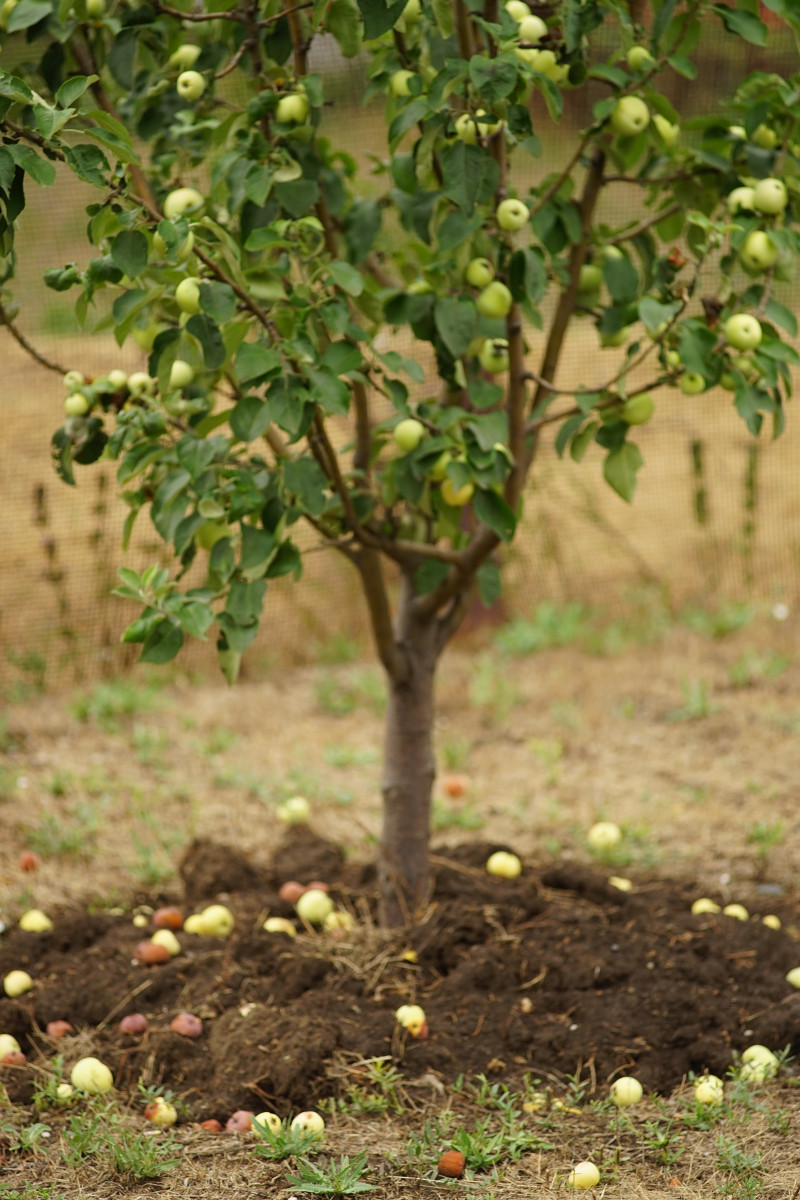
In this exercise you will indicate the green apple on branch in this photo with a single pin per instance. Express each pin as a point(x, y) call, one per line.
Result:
point(336, 338)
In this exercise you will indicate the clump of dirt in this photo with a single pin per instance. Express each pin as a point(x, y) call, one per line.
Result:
point(544, 975)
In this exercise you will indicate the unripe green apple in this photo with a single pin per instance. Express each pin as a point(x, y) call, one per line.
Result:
point(604, 835)
point(466, 128)
point(518, 10)
point(737, 131)
point(639, 59)
point(408, 434)
point(504, 864)
point(399, 83)
point(314, 906)
point(637, 410)
point(294, 811)
point(743, 331)
point(117, 378)
point(672, 358)
point(532, 29)
point(92, 1076)
point(182, 200)
point(746, 367)
point(190, 86)
point(8, 1045)
point(457, 497)
point(583, 1175)
point(269, 1120)
point(630, 116)
point(493, 355)
point(420, 287)
point(184, 58)
point(770, 196)
point(76, 405)
point(187, 294)
point(488, 123)
point(495, 300)
point(618, 338)
point(479, 272)
point(216, 921)
point(140, 382)
point(35, 921)
point(692, 384)
point(764, 137)
point(626, 1091)
point(181, 374)
point(590, 278)
point(668, 132)
point(709, 1089)
point(758, 252)
point(741, 199)
point(292, 109)
point(208, 534)
point(182, 252)
point(512, 214)
point(310, 1124)
point(95, 9)
point(74, 379)
point(758, 1053)
point(438, 471)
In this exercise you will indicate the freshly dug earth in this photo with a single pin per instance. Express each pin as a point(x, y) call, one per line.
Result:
point(548, 975)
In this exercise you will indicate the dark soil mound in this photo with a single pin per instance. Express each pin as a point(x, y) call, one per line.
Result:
point(543, 975)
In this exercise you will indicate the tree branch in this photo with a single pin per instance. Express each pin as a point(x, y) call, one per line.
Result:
point(27, 346)
point(372, 577)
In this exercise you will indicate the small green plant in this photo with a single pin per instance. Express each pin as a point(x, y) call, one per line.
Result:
point(450, 816)
point(455, 752)
point(283, 1143)
point(661, 1142)
point(28, 1139)
point(150, 745)
point(59, 783)
point(339, 697)
point(491, 689)
point(744, 1170)
point(753, 668)
point(727, 619)
point(567, 714)
point(549, 627)
point(342, 1179)
point(108, 704)
point(340, 755)
point(338, 650)
point(137, 1155)
point(765, 835)
point(73, 835)
point(696, 702)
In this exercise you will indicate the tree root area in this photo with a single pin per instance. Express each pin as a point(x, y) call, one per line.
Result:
point(549, 975)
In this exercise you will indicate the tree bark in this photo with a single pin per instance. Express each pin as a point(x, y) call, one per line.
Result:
point(409, 766)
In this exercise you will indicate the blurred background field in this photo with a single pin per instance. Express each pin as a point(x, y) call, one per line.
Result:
point(716, 516)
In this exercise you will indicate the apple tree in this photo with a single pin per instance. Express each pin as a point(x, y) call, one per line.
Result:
point(375, 354)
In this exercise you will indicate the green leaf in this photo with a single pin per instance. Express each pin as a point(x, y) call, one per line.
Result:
point(298, 197)
point(27, 13)
point(428, 577)
point(410, 115)
point(332, 393)
point(258, 547)
point(255, 361)
point(163, 642)
point(217, 300)
point(456, 321)
point(129, 252)
point(379, 17)
point(528, 276)
point(493, 511)
point(622, 279)
point(780, 315)
point(121, 57)
point(663, 18)
point(653, 313)
point(195, 618)
point(303, 477)
point(249, 418)
point(343, 20)
point(112, 134)
point(208, 335)
point(620, 467)
point(457, 227)
point(88, 162)
point(746, 25)
point(72, 88)
point(470, 175)
point(347, 277)
point(493, 78)
point(490, 583)
point(39, 169)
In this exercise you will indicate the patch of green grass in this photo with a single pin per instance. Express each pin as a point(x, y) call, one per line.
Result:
point(446, 816)
point(341, 755)
point(550, 626)
point(765, 835)
point(218, 741)
point(284, 1142)
point(730, 617)
point(567, 714)
point(697, 702)
point(338, 650)
point(73, 835)
point(108, 704)
point(491, 689)
point(337, 1179)
point(753, 668)
point(151, 745)
point(455, 752)
point(102, 1134)
point(339, 697)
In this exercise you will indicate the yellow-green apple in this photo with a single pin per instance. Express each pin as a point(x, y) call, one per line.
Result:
point(770, 196)
point(512, 214)
point(493, 355)
point(495, 300)
point(92, 1076)
point(181, 374)
point(630, 116)
point(479, 273)
point(408, 434)
point(759, 252)
point(292, 109)
point(190, 86)
point(583, 1175)
point(639, 59)
point(504, 864)
point(668, 132)
point(692, 384)
point(743, 331)
point(76, 404)
point(313, 906)
point(182, 200)
point(400, 81)
point(184, 58)
point(637, 410)
point(187, 294)
point(741, 199)
point(532, 29)
point(457, 497)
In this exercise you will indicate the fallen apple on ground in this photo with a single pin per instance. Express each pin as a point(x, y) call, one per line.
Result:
point(294, 811)
point(187, 1025)
point(160, 1112)
point(35, 921)
point(8, 1045)
point(504, 864)
point(308, 1123)
point(92, 1076)
point(239, 1122)
point(412, 1018)
point(280, 925)
point(626, 1091)
point(314, 906)
point(583, 1175)
point(58, 1029)
point(269, 1120)
point(134, 1023)
point(604, 835)
point(17, 983)
point(709, 1089)
point(451, 1164)
point(216, 921)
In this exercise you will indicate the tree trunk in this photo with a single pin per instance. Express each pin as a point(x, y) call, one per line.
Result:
point(409, 767)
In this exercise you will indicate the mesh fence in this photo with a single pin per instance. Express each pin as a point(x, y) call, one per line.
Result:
point(716, 516)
